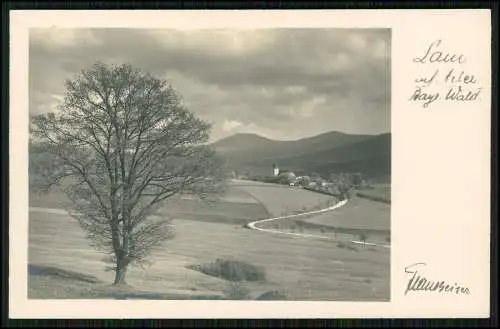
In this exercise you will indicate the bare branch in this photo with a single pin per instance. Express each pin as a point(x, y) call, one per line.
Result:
point(125, 143)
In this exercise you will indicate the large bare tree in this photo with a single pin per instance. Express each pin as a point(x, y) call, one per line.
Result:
point(120, 144)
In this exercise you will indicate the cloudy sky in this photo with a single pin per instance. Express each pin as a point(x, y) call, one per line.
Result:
point(279, 83)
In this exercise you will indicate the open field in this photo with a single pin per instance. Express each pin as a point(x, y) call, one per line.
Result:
point(302, 269)
point(55, 196)
point(244, 201)
point(234, 207)
point(280, 200)
point(358, 216)
point(343, 224)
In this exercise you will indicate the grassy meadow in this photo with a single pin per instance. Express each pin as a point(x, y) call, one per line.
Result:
point(63, 265)
point(280, 200)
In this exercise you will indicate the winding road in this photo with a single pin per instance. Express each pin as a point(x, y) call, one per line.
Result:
point(253, 225)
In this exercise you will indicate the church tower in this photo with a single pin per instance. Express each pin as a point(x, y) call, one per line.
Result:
point(276, 170)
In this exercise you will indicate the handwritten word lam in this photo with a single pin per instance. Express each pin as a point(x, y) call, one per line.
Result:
point(434, 55)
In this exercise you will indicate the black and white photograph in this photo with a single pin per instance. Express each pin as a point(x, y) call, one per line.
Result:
point(250, 164)
point(213, 164)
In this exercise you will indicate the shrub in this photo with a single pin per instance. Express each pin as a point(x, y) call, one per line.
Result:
point(236, 291)
point(232, 270)
point(347, 246)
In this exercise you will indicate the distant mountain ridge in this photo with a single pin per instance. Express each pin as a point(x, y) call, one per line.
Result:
point(324, 153)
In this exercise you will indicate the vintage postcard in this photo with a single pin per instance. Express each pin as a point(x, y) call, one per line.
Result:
point(250, 164)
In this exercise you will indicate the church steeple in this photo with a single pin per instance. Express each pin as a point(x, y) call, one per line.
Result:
point(276, 170)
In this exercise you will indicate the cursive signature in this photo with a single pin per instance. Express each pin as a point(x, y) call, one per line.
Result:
point(417, 282)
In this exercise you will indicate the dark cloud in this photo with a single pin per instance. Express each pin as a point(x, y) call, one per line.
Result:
point(282, 83)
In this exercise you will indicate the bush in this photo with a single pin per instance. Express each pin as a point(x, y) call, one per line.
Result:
point(347, 246)
point(236, 291)
point(232, 270)
point(265, 179)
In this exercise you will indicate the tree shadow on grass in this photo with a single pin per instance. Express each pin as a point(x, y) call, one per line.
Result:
point(98, 289)
point(43, 270)
point(101, 290)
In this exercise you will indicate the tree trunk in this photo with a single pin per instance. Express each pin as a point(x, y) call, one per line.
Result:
point(121, 266)
point(120, 275)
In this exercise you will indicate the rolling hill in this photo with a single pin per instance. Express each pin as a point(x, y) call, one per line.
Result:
point(329, 152)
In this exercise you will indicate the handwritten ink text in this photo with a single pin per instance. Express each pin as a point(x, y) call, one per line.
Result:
point(432, 55)
point(417, 282)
